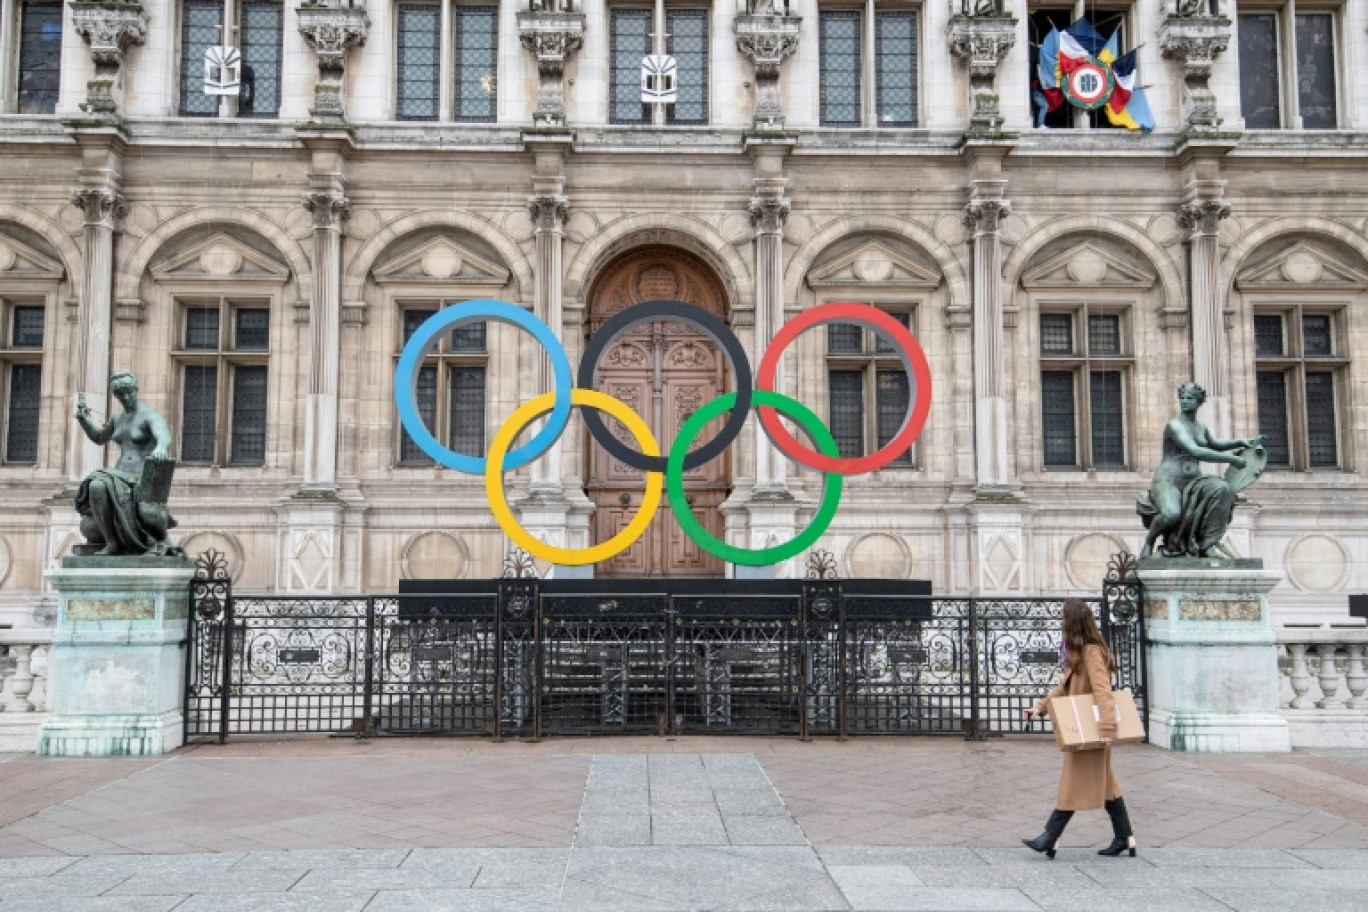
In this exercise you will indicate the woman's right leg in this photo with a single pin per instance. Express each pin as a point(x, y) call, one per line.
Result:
point(1054, 828)
point(1123, 837)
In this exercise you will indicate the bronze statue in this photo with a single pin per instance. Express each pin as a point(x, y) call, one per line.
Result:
point(123, 509)
point(1191, 510)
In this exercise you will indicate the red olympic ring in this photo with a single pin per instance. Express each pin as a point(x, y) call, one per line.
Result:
point(914, 359)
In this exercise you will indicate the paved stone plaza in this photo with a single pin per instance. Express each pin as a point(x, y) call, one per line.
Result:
point(651, 824)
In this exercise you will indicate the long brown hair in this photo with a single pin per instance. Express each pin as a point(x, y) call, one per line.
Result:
point(1080, 630)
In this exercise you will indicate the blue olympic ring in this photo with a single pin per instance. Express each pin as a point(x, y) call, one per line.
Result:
point(406, 394)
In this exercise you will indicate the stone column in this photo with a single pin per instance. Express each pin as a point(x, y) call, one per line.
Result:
point(109, 27)
point(548, 216)
point(1194, 35)
point(768, 210)
point(1200, 215)
point(983, 215)
point(981, 35)
point(766, 38)
point(332, 28)
point(330, 208)
point(552, 36)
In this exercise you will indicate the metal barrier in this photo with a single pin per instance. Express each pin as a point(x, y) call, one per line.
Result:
point(525, 658)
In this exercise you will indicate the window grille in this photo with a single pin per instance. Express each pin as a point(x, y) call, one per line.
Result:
point(1323, 449)
point(21, 432)
point(40, 57)
point(477, 59)
point(839, 63)
point(450, 389)
point(1260, 89)
point(1272, 394)
point(467, 397)
point(253, 330)
point(1316, 70)
point(688, 42)
point(1271, 59)
point(249, 415)
point(847, 411)
point(896, 68)
point(631, 41)
point(1296, 370)
point(263, 23)
point(201, 29)
point(202, 328)
point(892, 399)
point(1104, 334)
point(1057, 406)
point(1108, 425)
point(419, 53)
point(1316, 335)
point(1268, 335)
point(199, 412)
point(1056, 334)
point(28, 327)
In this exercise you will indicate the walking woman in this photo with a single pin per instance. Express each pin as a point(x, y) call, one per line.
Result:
point(1087, 782)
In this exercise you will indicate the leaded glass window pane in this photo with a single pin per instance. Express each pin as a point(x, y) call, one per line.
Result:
point(477, 59)
point(895, 68)
point(1272, 392)
point(1056, 334)
point(1104, 334)
point(884, 346)
point(199, 411)
point(1268, 335)
point(467, 405)
point(844, 338)
point(1320, 419)
point(201, 23)
point(631, 41)
point(40, 57)
point(21, 433)
point(470, 337)
point(263, 23)
point(202, 328)
point(1057, 414)
point(847, 412)
point(893, 399)
point(419, 61)
point(27, 331)
point(249, 415)
point(253, 329)
point(839, 47)
point(1108, 419)
point(1316, 70)
point(688, 42)
point(1316, 335)
point(1260, 93)
point(414, 319)
point(409, 452)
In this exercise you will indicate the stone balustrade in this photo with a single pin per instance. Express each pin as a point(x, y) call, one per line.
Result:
point(1324, 685)
point(23, 686)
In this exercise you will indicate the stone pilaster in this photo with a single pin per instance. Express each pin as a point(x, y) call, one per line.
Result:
point(109, 27)
point(1193, 34)
point(329, 208)
point(332, 28)
point(983, 215)
point(1200, 215)
point(549, 211)
point(981, 35)
point(765, 38)
point(552, 36)
point(768, 212)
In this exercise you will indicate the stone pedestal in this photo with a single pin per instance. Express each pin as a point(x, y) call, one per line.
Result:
point(1212, 656)
point(117, 672)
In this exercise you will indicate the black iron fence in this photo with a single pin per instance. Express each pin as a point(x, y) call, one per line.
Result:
point(525, 658)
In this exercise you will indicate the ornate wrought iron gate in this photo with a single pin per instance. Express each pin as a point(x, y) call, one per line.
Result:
point(521, 657)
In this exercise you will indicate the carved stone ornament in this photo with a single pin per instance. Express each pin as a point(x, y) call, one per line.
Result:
point(982, 39)
point(766, 37)
point(109, 27)
point(100, 206)
point(553, 37)
point(1202, 217)
point(332, 28)
point(1195, 39)
point(548, 211)
point(984, 216)
point(329, 208)
point(768, 213)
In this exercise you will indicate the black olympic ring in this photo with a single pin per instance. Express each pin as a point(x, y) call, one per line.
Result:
point(697, 317)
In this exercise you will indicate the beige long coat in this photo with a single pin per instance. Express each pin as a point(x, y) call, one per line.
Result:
point(1087, 781)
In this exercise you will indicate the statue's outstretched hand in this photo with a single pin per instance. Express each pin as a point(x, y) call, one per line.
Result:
point(82, 410)
point(1253, 442)
point(158, 454)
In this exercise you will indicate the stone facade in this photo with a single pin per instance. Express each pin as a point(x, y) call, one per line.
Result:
point(117, 214)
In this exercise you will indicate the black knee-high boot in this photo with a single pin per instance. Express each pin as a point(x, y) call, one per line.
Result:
point(1122, 834)
point(1054, 828)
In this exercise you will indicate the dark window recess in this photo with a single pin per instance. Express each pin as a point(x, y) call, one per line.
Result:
point(263, 24)
point(1272, 391)
point(477, 64)
point(28, 327)
point(201, 23)
point(1108, 419)
point(40, 57)
point(892, 403)
point(1057, 416)
point(253, 329)
point(1260, 94)
point(1316, 335)
point(467, 405)
point(409, 452)
point(839, 62)
point(631, 41)
point(202, 328)
point(1104, 334)
point(884, 346)
point(414, 319)
point(1316, 70)
point(1268, 335)
point(418, 65)
point(844, 338)
point(25, 394)
point(847, 412)
point(1322, 447)
point(1056, 334)
point(895, 68)
point(249, 415)
point(470, 337)
point(199, 412)
point(688, 42)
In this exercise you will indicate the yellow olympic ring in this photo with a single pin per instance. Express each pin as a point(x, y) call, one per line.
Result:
point(498, 501)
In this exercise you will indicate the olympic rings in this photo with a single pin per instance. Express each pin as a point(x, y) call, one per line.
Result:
point(648, 311)
point(498, 500)
point(406, 382)
point(913, 358)
point(755, 557)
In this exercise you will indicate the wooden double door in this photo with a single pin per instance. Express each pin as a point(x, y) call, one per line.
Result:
point(665, 371)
